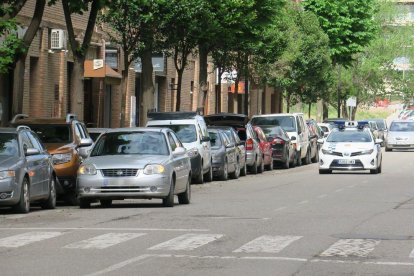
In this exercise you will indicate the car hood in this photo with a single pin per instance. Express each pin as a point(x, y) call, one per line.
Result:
point(347, 147)
point(226, 119)
point(54, 148)
point(125, 161)
point(8, 161)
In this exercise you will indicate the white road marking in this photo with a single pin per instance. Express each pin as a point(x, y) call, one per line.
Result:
point(280, 208)
point(15, 216)
point(323, 196)
point(27, 238)
point(303, 202)
point(268, 244)
point(412, 254)
point(106, 229)
point(104, 241)
point(350, 247)
point(187, 242)
point(120, 265)
point(339, 190)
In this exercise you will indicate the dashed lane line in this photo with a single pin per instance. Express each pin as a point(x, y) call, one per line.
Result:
point(106, 229)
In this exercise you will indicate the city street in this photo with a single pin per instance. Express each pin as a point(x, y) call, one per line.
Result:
point(284, 222)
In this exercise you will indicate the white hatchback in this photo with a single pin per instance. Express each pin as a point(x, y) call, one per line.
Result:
point(350, 149)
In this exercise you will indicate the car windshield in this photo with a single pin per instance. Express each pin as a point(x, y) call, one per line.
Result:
point(214, 139)
point(127, 143)
point(402, 126)
point(357, 136)
point(186, 133)
point(8, 145)
point(53, 133)
point(272, 131)
point(286, 122)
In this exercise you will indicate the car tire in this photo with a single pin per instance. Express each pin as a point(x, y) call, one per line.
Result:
point(200, 177)
point(168, 201)
point(243, 171)
point(316, 158)
point(374, 171)
point(253, 168)
point(307, 159)
point(225, 175)
point(286, 165)
point(208, 177)
point(260, 168)
point(270, 166)
point(24, 203)
point(298, 159)
point(50, 202)
point(380, 168)
point(84, 203)
point(185, 197)
point(105, 203)
point(236, 173)
point(325, 171)
point(292, 163)
point(388, 149)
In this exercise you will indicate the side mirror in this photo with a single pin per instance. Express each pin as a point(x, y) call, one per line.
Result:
point(293, 138)
point(85, 142)
point(179, 151)
point(84, 152)
point(31, 151)
point(378, 141)
point(231, 145)
point(320, 141)
point(205, 139)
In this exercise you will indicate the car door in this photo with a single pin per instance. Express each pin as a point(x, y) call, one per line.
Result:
point(241, 148)
point(45, 168)
point(178, 163)
point(33, 167)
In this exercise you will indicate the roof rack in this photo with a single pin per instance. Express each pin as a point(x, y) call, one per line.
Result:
point(23, 127)
point(70, 117)
point(19, 117)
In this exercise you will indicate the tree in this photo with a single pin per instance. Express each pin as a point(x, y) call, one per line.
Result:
point(350, 27)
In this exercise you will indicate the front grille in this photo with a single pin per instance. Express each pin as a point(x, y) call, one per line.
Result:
point(121, 189)
point(358, 165)
point(119, 172)
point(336, 153)
point(356, 153)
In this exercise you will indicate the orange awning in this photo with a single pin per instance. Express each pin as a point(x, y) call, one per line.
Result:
point(103, 72)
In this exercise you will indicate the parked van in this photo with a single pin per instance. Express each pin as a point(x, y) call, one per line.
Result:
point(191, 129)
point(294, 124)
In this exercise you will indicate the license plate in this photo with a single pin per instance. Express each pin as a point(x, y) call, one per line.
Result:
point(346, 162)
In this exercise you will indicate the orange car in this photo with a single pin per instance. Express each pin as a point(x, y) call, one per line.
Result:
point(62, 137)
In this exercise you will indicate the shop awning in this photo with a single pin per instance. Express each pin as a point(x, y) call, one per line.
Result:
point(102, 72)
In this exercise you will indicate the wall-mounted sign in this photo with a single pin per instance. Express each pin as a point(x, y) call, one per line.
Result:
point(157, 64)
point(98, 64)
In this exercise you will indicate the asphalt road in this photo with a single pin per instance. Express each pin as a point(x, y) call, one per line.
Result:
point(284, 222)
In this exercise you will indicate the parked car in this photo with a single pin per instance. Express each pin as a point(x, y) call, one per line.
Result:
point(315, 133)
point(62, 137)
point(246, 134)
point(326, 128)
point(265, 148)
point(382, 129)
point(191, 129)
point(135, 163)
point(240, 147)
point(224, 152)
point(283, 152)
point(26, 171)
point(372, 125)
point(400, 135)
point(94, 133)
point(294, 125)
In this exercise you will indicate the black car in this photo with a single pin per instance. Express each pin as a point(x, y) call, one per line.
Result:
point(224, 155)
point(283, 152)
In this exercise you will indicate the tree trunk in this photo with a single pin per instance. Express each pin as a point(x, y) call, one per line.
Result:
point(124, 88)
point(18, 85)
point(202, 75)
point(5, 89)
point(338, 91)
point(147, 83)
point(236, 94)
point(246, 86)
point(77, 88)
point(345, 113)
point(325, 110)
point(287, 101)
point(179, 83)
point(309, 110)
point(220, 74)
point(354, 111)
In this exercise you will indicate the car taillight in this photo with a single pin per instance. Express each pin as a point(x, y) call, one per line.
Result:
point(278, 141)
point(249, 144)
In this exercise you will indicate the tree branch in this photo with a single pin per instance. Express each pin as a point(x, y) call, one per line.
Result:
point(69, 27)
point(17, 6)
point(91, 25)
point(35, 23)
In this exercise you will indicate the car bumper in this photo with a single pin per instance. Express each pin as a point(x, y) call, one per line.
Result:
point(399, 146)
point(9, 192)
point(142, 186)
point(250, 158)
point(196, 165)
point(329, 162)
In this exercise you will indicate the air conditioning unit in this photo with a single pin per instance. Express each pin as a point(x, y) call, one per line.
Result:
point(57, 39)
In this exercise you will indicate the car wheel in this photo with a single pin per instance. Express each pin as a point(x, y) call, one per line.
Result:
point(316, 158)
point(185, 197)
point(243, 171)
point(270, 166)
point(388, 149)
point(200, 177)
point(168, 201)
point(208, 177)
point(307, 159)
point(292, 163)
point(298, 159)
point(253, 168)
point(224, 176)
point(50, 202)
point(24, 204)
point(286, 165)
point(260, 168)
point(84, 203)
point(380, 168)
point(236, 173)
point(106, 203)
point(325, 171)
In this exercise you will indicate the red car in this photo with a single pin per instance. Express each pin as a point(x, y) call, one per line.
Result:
point(265, 148)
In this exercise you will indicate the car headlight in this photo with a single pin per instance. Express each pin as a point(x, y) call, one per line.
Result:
point(329, 152)
point(7, 174)
point(154, 169)
point(87, 169)
point(61, 158)
point(192, 152)
point(367, 152)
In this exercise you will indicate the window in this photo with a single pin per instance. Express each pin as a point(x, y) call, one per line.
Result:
point(214, 139)
point(8, 144)
point(52, 133)
point(186, 133)
point(299, 125)
point(172, 142)
point(177, 141)
point(80, 131)
point(35, 142)
point(27, 144)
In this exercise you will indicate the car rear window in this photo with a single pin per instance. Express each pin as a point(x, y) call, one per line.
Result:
point(8, 145)
point(53, 133)
point(94, 135)
point(286, 122)
point(214, 139)
point(130, 143)
point(349, 136)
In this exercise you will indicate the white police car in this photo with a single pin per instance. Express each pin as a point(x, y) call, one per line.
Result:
point(350, 148)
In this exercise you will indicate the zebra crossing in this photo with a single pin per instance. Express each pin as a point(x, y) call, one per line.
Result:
point(266, 244)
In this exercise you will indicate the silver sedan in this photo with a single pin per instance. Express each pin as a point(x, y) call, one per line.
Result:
point(135, 163)
point(400, 135)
